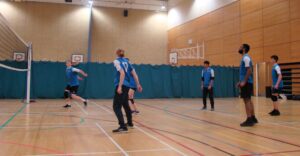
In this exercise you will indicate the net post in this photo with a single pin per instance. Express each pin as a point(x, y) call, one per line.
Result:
point(29, 58)
point(256, 78)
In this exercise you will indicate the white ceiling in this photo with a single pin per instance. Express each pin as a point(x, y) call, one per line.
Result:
point(129, 4)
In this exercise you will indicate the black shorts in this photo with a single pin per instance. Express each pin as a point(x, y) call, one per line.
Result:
point(133, 89)
point(72, 89)
point(247, 91)
point(276, 91)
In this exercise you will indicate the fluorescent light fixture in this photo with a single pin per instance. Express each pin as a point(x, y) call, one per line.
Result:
point(90, 2)
point(163, 7)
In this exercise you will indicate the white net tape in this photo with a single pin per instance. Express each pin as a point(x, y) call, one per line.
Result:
point(12, 68)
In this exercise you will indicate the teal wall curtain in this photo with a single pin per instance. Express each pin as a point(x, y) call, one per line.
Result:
point(159, 81)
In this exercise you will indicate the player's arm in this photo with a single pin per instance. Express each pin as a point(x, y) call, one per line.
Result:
point(202, 80)
point(212, 78)
point(249, 70)
point(279, 77)
point(136, 79)
point(80, 72)
point(122, 75)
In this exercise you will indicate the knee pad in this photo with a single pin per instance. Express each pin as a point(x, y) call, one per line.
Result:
point(274, 98)
point(66, 94)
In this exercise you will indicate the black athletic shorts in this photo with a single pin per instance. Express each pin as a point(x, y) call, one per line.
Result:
point(133, 89)
point(247, 91)
point(276, 91)
point(72, 89)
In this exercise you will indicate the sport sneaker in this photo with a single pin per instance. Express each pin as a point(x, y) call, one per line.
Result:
point(247, 123)
point(204, 108)
point(67, 106)
point(130, 125)
point(212, 109)
point(137, 112)
point(254, 119)
point(120, 130)
point(85, 103)
point(272, 112)
point(275, 113)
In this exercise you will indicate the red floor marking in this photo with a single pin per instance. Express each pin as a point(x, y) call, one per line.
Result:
point(221, 125)
point(182, 145)
point(178, 143)
point(281, 152)
point(34, 147)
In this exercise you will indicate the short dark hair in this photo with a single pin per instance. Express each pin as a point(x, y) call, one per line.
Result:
point(275, 57)
point(206, 62)
point(246, 47)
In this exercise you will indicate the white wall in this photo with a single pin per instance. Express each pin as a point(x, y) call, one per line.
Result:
point(188, 10)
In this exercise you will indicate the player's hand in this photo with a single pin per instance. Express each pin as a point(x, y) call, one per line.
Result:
point(80, 78)
point(209, 87)
point(202, 87)
point(238, 85)
point(119, 90)
point(140, 88)
point(276, 87)
point(242, 84)
point(85, 75)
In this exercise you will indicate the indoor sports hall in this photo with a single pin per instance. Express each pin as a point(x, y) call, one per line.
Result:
point(149, 77)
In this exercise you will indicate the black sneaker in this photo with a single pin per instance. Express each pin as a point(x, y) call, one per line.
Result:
point(120, 130)
point(137, 112)
point(275, 113)
point(67, 106)
point(212, 109)
point(204, 108)
point(85, 103)
point(247, 123)
point(254, 119)
point(131, 126)
point(272, 112)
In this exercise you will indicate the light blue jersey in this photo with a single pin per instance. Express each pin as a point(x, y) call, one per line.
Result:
point(123, 64)
point(246, 62)
point(207, 75)
point(275, 73)
point(72, 76)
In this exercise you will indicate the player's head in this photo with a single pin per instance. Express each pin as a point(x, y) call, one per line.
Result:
point(206, 64)
point(68, 63)
point(244, 49)
point(274, 58)
point(120, 53)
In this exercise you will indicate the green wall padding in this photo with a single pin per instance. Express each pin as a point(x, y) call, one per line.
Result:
point(159, 81)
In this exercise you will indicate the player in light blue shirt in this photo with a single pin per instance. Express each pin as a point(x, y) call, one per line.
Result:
point(246, 85)
point(134, 85)
point(73, 84)
point(277, 85)
point(208, 76)
point(122, 85)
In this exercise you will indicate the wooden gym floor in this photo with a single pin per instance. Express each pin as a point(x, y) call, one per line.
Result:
point(165, 127)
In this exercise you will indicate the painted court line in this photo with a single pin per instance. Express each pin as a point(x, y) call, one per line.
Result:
point(84, 111)
point(97, 105)
point(160, 141)
point(13, 116)
point(112, 140)
point(222, 125)
point(57, 126)
point(112, 152)
point(272, 153)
